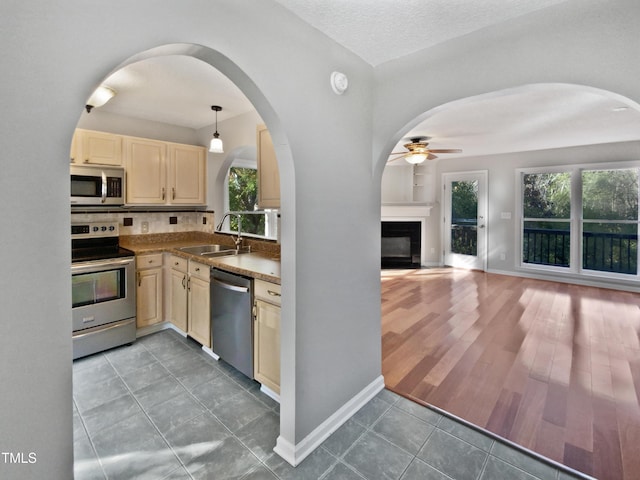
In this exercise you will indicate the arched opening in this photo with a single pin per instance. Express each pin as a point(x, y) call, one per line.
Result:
point(238, 148)
point(517, 136)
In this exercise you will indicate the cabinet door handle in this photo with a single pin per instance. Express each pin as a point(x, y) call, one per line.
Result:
point(163, 193)
point(139, 278)
point(173, 193)
point(273, 293)
point(184, 282)
point(189, 284)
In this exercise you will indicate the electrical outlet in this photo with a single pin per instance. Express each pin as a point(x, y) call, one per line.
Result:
point(145, 227)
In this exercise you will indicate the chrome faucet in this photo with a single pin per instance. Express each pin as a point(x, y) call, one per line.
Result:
point(237, 241)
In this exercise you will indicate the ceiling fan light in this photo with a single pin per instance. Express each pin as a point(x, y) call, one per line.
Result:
point(416, 158)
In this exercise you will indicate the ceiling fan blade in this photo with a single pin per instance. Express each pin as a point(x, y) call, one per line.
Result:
point(431, 157)
point(445, 150)
point(398, 153)
point(395, 160)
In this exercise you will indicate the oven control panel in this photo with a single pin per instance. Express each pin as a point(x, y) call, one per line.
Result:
point(94, 230)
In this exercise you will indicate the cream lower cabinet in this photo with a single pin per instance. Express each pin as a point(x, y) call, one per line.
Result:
point(266, 334)
point(177, 304)
point(148, 289)
point(198, 309)
point(189, 305)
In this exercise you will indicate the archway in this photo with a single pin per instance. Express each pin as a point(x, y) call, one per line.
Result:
point(269, 116)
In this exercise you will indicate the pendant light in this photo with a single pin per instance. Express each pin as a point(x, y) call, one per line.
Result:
point(216, 141)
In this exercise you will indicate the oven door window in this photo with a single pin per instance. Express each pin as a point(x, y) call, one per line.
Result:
point(98, 287)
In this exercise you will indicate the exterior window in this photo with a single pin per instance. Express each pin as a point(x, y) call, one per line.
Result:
point(610, 220)
point(242, 187)
point(546, 236)
point(589, 216)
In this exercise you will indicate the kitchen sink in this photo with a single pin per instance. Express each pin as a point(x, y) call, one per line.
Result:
point(213, 250)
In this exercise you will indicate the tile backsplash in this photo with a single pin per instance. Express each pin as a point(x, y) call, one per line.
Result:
point(136, 223)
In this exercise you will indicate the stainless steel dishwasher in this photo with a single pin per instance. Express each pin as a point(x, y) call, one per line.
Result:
point(231, 320)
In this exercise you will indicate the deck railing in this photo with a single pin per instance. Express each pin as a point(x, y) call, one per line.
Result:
point(606, 252)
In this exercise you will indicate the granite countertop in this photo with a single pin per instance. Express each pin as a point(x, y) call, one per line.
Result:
point(260, 264)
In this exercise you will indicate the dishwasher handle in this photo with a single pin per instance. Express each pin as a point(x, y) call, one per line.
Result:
point(228, 286)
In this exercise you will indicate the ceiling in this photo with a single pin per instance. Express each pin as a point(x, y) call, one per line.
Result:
point(376, 30)
point(180, 90)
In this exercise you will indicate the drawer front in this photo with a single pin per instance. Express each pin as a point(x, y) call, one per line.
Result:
point(178, 263)
point(199, 270)
point(269, 292)
point(153, 260)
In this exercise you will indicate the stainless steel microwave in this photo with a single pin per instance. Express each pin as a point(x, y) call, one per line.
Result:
point(97, 185)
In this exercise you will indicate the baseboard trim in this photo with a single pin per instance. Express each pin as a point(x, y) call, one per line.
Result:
point(294, 454)
point(210, 352)
point(270, 393)
point(148, 330)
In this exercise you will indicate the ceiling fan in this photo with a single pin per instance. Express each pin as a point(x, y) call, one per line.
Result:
point(419, 151)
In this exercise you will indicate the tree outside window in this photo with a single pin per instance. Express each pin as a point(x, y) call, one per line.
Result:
point(547, 218)
point(243, 197)
point(610, 220)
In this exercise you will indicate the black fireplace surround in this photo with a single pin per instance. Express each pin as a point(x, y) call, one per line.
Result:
point(401, 244)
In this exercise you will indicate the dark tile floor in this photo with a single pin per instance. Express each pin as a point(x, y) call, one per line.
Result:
point(163, 409)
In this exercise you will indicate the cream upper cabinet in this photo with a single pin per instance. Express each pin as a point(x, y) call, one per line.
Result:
point(96, 148)
point(187, 175)
point(266, 331)
point(148, 289)
point(164, 173)
point(146, 171)
point(268, 174)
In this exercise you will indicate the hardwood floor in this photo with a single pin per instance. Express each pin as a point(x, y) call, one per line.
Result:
point(552, 367)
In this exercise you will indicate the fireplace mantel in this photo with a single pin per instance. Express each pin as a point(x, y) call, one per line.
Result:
point(405, 210)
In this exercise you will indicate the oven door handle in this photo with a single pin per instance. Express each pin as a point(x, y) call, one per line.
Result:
point(96, 266)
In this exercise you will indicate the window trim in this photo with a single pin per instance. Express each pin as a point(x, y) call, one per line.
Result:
point(576, 220)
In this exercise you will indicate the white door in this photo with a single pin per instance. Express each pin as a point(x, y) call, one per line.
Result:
point(465, 212)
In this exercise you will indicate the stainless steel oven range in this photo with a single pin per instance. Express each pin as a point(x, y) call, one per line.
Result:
point(103, 289)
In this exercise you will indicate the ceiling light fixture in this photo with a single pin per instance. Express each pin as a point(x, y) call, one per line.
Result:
point(216, 141)
point(99, 97)
point(416, 158)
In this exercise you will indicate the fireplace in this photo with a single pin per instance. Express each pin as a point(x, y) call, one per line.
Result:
point(401, 244)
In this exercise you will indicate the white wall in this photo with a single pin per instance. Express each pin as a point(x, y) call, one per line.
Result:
point(331, 291)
